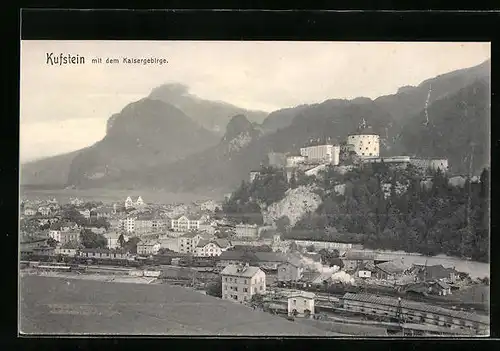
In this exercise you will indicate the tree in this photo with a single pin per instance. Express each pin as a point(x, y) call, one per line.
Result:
point(121, 240)
point(91, 240)
point(131, 245)
point(51, 242)
point(215, 288)
point(257, 300)
point(71, 245)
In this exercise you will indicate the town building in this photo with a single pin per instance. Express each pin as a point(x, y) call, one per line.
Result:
point(104, 212)
point(28, 211)
point(127, 224)
point(365, 144)
point(138, 204)
point(327, 153)
point(149, 247)
point(85, 213)
point(44, 211)
point(241, 282)
point(169, 243)
point(434, 272)
point(246, 231)
point(390, 270)
point(439, 288)
point(103, 253)
point(189, 241)
point(113, 240)
point(291, 270)
point(76, 202)
point(211, 248)
point(327, 245)
point(254, 175)
point(354, 259)
point(143, 224)
point(66, 252)
point(301, 303)
point(185, 223)
point(64, 237)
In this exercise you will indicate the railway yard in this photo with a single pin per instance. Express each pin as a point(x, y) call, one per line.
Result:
point(343, 314)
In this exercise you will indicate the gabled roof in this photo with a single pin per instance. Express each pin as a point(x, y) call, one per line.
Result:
point(237, 255)
point(435, 272)
point(358, 255)
point(294, 261)
point(189, 217)
point(270, 257)
point(392, 267)
point(240, 271)
point(442, 285)
point(190, 235)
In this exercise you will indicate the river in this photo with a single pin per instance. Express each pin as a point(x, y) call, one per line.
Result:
point(473, 268)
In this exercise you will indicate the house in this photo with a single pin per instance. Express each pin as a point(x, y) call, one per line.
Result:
point(113, 241)
point(150, 247)
point(439, 288)
point(28, 211)
point(76, 201)
point(66, 252)
point(269, 260)
point(208, 227)
point(211, 247)
point(139, 203)
point(43, 250)
point(189, 241)
point(435, 272)
point(169, 243)
point(104, 212)
point(103, 253)
point(236, 257)
point(129, 203)
point(85, 213)
point(390, 270)
point(291, 270)
point(241, 282)
point(143, 224)
point(246, 231)
point(64, 237)
point(301, 303)
point(354, 259)
point(254, 175)
point(127, 224)
point(44, 211)
point(185, 223)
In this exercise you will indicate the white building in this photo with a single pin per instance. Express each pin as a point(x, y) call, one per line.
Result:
point(113, 241)
point(240, 283)
point(185, 223)
point(85, 213)
point(148, 247)
point(64, 237)
point(301, 303)
point(170, 243)
point(44, 211)
point(365, 145)
point(127, 224)
point(327, 153)
point(211, 248)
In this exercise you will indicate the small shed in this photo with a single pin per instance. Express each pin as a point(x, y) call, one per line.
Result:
point(301, 303)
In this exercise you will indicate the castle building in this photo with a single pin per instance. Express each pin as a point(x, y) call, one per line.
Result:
point(327, 153)
point(365, 145)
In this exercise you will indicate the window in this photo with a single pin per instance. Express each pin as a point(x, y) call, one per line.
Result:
point(225, 287)
point(235, 288)
point(246, 281)
point(260, 287)
point(245, 290)
point(294, 302)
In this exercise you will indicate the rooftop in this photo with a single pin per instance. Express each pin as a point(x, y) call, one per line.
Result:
point(145, 309)
point(240, 271)
point(389, 301)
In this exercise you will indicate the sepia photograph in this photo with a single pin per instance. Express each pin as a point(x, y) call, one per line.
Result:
point(254, 188)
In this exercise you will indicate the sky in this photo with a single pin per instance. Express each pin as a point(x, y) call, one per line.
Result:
point(65, 107)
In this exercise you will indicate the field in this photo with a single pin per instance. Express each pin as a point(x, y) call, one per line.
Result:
point(113, 195)
point(70, 306)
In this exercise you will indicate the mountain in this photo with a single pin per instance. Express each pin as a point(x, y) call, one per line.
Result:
point(49, 172)
point(213, 115)
point(144, 133)
point(458, 127)
point(245, 148)
point(407, 102)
